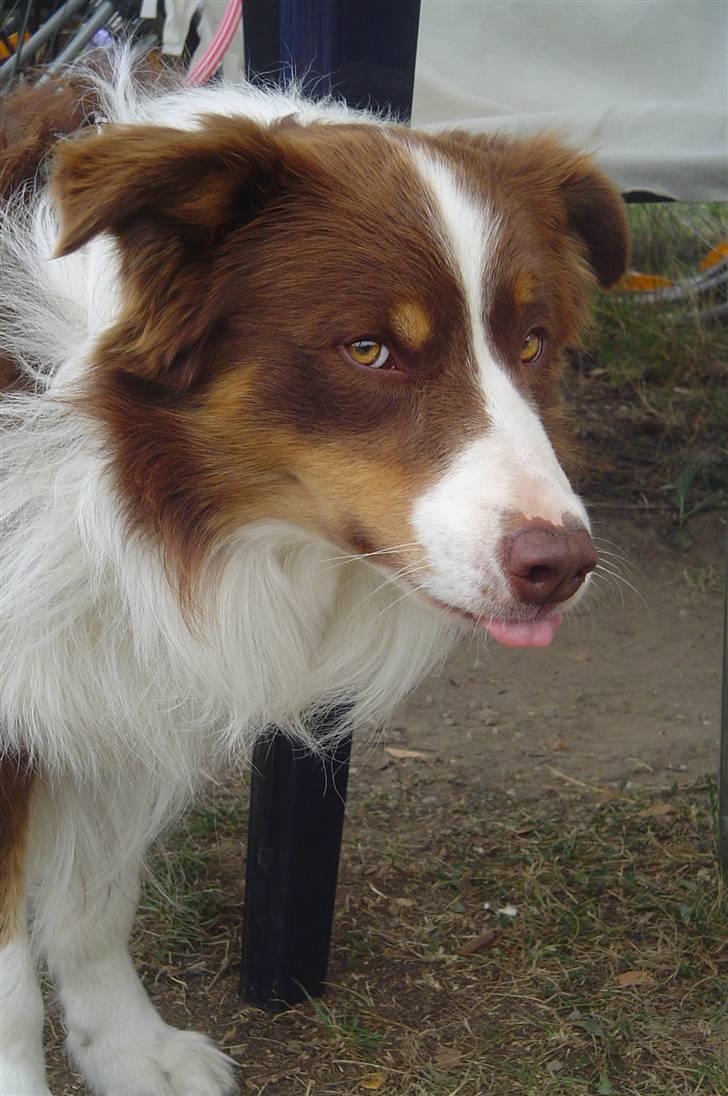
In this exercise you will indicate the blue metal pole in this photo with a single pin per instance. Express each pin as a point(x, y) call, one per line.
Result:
point(723, 772)
point(360, 50)
point(363, 51)
point(297, 804)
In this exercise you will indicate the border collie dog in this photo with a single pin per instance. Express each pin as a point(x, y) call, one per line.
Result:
point(281, 420)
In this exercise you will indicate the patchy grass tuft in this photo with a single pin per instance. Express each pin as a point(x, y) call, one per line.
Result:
point(651, 391)
point(192, 880)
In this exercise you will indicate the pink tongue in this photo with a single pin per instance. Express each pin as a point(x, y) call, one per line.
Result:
point(524, 633)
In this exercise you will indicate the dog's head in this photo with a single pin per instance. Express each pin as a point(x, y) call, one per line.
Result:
point(356, 329)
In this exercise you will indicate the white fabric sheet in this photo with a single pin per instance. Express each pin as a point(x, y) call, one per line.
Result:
point(641, 83)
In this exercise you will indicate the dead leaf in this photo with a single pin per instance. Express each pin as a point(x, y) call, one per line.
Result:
point(635, 978)
point(558, 744)
point(400, 754)
point(657, 810)
point(373, 1081)
point(447, 1056)
point(478, 942)
point(580, 656)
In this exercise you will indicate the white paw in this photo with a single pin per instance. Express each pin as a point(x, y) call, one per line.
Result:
point(17, 1080)
point(156, 1060)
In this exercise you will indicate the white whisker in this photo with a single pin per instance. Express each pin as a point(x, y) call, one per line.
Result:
point(408, 593)
point(618, 557)
point(391, 579)
point(610, 580)
point(341, 560)
point(620, 578)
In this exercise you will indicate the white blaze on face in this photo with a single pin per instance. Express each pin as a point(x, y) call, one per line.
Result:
point(512, 465)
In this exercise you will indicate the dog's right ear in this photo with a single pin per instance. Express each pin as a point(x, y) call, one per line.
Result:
point(201, 181)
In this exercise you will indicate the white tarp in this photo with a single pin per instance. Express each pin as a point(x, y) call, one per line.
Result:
point(641, 83)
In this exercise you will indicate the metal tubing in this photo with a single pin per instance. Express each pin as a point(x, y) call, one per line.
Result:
point(41, 36)
point(73, 48)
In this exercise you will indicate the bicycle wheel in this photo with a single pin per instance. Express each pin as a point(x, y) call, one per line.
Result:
point(680, 255)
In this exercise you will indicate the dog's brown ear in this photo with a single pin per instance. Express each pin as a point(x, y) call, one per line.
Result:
point(589, 207)
point(595, 212)
point(201, 180)
point(172, 198)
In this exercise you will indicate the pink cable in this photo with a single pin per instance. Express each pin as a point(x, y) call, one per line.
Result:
point(213, 55)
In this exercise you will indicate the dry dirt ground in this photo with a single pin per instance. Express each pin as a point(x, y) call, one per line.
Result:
point(566, 787)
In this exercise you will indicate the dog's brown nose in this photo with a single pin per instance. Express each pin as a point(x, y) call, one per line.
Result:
point(547, 563)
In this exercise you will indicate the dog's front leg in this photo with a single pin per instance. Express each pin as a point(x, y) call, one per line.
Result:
point(116, 1037)
point(22, 1072)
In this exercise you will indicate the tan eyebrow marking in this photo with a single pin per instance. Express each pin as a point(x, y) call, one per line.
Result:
point(412, 324)
point(524, 287)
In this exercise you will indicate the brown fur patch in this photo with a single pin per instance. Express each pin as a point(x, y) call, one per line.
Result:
point(345, 491)
point(524, 287)
point(558, 193)
point(12, 379)
point(16, 785)
point(32, 119)
point(197, 182)
point(412, 324)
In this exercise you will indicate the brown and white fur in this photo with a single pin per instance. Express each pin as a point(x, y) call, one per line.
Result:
point(216, 518)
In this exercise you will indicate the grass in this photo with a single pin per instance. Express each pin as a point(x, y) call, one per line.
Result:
point(611, 976)
point(192, 880)
point(651, 391)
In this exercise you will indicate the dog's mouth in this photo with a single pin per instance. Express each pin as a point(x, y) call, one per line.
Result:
point(536, 631)
point(512, 625)
point(524, 633)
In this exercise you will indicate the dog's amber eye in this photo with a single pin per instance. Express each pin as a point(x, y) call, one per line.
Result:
point(532, 347)
point(368, 352)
